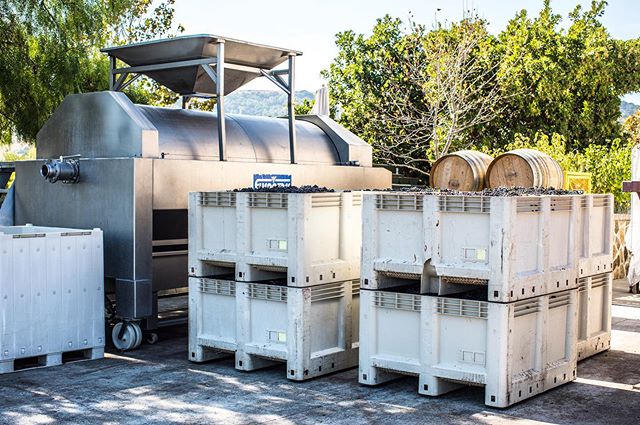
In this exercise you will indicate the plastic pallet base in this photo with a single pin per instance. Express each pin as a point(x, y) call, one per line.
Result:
point(317, 366)
point(318, 274)
point(594, 345)
point(432, 385)
point(51, 359)
point(204, 353)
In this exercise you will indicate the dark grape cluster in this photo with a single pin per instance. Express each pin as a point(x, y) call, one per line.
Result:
point(290, 189)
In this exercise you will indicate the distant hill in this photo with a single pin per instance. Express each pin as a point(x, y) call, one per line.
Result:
point(261, 102)
point(273, 103)
point(627, 109)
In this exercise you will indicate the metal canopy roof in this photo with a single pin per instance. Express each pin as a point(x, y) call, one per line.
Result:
point(183, 64)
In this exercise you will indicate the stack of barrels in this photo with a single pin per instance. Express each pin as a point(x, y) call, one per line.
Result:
point(472, 171)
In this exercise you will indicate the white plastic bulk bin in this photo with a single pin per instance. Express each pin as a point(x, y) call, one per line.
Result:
point(311, 328)
point(51, 294)
point(515, 350)
point(307, 238)
point(517, 247)
point(213, 319)
point(594, 314)
point(595, 235)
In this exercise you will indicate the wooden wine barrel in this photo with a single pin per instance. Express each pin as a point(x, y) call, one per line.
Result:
point(525, 168)
point(462, 170)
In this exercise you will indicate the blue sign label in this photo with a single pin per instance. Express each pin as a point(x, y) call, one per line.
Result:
point(264, 181)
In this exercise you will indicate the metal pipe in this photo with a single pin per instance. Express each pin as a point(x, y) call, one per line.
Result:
point(66, 170)
point(161, 66)
point(222, 135)
point(290, 107)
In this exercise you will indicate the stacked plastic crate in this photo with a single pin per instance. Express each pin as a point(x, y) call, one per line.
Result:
point(483, 288)
point(274, 277)
point(595, 274)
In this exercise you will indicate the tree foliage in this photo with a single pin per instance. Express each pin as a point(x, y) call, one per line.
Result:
point(446, 82)
point(50, 48)
point(548, 79)
point(568, 81)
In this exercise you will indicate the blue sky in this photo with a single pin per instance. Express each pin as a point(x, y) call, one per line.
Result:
point(310, 26)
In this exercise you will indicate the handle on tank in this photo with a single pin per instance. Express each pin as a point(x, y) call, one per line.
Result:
point(65, 169)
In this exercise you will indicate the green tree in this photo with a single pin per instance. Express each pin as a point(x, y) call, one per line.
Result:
point(422, 93)
point(304, 107)
point(358, 75)
point(567, 81)
point(550, 79)
point(50, 48)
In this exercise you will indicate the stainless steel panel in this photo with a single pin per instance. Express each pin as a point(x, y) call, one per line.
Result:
point(143, 218)
point(189, 134)
point(97, 125)
point(108, 125)
point(105, 198)
point(193, 79)
point(174, 179)
point(134, 298)
point(349, 146)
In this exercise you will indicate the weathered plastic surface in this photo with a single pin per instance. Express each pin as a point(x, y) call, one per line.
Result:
point(595, 235)
point(51, 294)
point(517, 247)
point(514, 350)
point(307, 238)
point(213, 320)
point(313, 329)
point(594, 314)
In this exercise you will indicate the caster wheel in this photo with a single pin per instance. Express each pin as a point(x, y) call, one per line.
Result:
point(151, 338)
point(126, 336)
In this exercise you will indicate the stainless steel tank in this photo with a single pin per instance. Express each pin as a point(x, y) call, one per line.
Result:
point(136, 165)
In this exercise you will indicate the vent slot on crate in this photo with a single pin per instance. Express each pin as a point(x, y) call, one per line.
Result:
point(218, 287)
point(267, 292)
point(528, 204)
point(400, 202)
point(462, 308)
point(327, 292)
point(30, 235)
point(562, 203)
point(268, 200)
point(556, 301)
point(217, 199)
point(355, 288)
point(598, 281)
point(397, 301)
point(469, 204)
point(601, 200)
point(524, 307)
point(326, 200)
point(582, 284)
